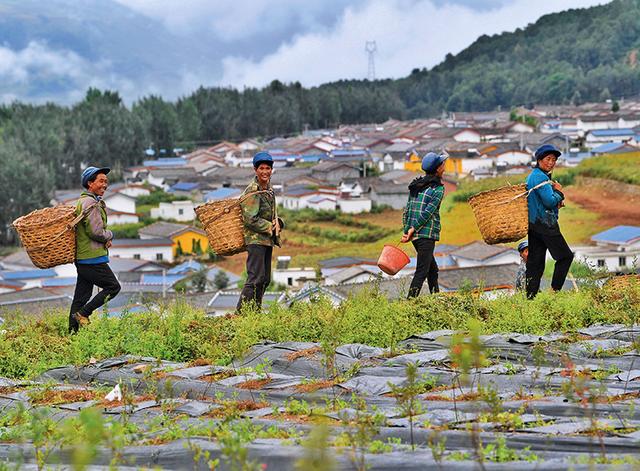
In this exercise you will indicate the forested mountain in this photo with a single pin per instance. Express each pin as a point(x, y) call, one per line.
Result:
point(572, 56)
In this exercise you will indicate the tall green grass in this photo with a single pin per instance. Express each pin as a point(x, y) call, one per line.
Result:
point(178, 332)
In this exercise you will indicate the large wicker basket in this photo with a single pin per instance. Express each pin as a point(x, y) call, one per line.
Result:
point(223, 223)
point(48, 235)
point(502, 214)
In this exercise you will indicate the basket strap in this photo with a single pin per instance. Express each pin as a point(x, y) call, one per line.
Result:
point(244, 197)
point(68, 227)
point(528, 192)
point(525, 193)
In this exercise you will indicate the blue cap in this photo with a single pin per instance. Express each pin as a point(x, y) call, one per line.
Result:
point(432, 161)
point(523, 245)
point(90, 172)
point(262, 158)
point(545, 150)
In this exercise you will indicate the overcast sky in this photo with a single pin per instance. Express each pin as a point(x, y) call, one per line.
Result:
point(56, 50)
point(315, 41)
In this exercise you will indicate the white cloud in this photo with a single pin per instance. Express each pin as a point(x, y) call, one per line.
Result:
point(40, 67)
point(239, 19)
point(409, 34)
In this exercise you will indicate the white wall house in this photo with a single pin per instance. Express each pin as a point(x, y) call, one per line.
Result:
point(354, 205)
point(293, 277)
point(134, 190)
point(120, 202)
point(154, 250)
point(616, 249)
point(306, 198)
point(467, 135)
point(514, 157)
point(120, 217)
point(589, 123)
point(178, 210)
point(478, 253)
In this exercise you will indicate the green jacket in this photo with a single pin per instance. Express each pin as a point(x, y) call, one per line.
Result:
point(258, 213)
point(92, 233)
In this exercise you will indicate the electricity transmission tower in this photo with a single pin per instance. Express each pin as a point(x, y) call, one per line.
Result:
point(371, 48)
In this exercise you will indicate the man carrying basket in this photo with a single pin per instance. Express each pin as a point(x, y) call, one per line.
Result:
point(93, 240)
point(262, 228)
point(544, 231)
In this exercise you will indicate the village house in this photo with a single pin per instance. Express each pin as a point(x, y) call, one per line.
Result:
point(293, 277)
point(477, 253)
point(297, 198)
point(597, 137)
point(596, 120)
point(185, 239)
point(157, 249)
point(333, 172)
point(177, 210)
point(130, 189)
point(616, 250)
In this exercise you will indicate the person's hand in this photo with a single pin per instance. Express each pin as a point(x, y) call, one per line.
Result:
point(275, 227)
point(561, 204)
point(556, 186)
point(108, 244)
point(408, 236)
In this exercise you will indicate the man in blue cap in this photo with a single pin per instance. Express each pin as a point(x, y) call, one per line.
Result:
point(544, 201)
point(421, 221)
point(93, 240)
point(261, 231)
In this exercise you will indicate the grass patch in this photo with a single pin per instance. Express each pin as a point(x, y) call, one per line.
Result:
point(179, 332)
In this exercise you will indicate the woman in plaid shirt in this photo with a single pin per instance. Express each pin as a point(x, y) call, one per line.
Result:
point(421, 221)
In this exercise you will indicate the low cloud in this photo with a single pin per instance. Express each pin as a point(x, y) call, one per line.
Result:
point(409, 34)
point(39, 73)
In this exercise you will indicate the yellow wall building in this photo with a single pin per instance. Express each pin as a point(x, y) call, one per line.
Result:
point(188, 240)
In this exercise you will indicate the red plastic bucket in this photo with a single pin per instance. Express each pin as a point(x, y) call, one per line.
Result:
point(392, 260)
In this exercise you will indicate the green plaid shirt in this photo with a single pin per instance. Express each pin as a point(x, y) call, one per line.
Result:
point(422, 213)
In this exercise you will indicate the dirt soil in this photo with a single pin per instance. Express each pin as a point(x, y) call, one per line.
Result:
point(612, 207)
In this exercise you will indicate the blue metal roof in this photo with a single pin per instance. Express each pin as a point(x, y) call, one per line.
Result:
point(222, 193)
point(608, 147)
point(342, 152)
point(313, 157)
point(167, 280)
point(185, 267)
point(618, 235)
point(298, 191)
point(28, 274)
point(165, 162)
point(62, 281)
point(184, 186)
point(613, 132)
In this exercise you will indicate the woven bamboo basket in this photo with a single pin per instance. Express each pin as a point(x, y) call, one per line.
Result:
point(223, 223)
point(502, 214)
point(48, 235)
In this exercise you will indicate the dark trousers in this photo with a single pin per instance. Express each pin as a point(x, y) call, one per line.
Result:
point(89, 276)
point(258, 275)
point(426, 267)
point(539, 243)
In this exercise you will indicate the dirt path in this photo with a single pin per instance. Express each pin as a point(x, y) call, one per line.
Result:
point(612, 208)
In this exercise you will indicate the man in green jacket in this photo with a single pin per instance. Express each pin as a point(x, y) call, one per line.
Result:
point(93, 240)
point(261, 231)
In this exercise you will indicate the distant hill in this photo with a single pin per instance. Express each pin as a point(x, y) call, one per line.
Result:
point(576, 55)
